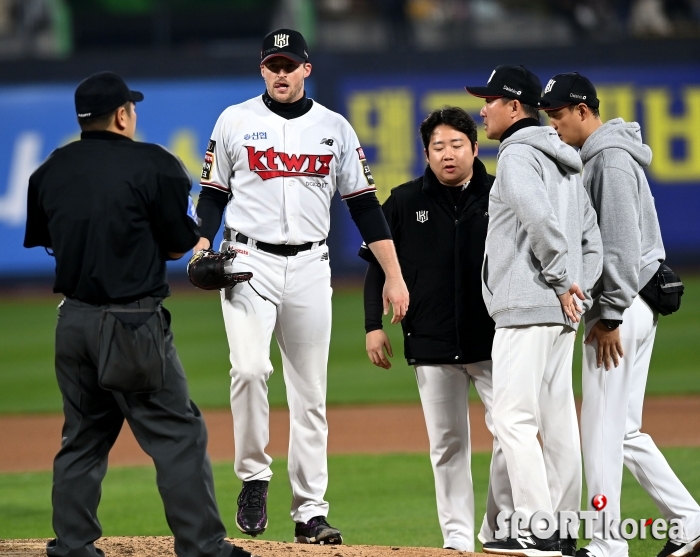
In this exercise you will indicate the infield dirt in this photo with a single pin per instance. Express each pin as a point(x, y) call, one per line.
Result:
point(30, 442)
point(163, 547)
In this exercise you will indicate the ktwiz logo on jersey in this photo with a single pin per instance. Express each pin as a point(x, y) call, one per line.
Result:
point(271, 164)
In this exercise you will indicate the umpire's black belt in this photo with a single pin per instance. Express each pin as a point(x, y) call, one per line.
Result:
point(284, 250)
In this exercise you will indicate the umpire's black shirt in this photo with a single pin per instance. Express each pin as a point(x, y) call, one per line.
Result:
point(110, 209)
point(439, 236)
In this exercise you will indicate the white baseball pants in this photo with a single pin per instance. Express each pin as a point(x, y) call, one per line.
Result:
point(532, 393)
point(298, 310)
point(611, 416)
point(444, 394)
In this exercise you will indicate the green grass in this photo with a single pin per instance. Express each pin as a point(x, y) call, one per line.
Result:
point(377, 499)
point(27, 382)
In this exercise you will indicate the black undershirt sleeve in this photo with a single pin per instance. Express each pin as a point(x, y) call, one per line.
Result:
point(210, 210)
point(374, 305)
point(369, 218)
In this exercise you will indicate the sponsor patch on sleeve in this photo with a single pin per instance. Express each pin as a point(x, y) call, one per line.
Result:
point(367, 172)
point(361, 153)
point(208, 160)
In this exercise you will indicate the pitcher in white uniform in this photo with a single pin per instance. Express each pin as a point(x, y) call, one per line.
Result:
point(620, 326)
point(273, 164)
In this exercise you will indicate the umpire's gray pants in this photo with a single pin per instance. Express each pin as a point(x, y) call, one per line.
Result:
point(167, 425)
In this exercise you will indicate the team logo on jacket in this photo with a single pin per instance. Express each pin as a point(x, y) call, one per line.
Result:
point(421, 216)
point(272, 164)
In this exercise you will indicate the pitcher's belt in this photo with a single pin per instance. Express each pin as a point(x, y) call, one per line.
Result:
point(285, 250)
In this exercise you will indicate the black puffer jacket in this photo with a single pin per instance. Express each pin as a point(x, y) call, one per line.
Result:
point(441, 250)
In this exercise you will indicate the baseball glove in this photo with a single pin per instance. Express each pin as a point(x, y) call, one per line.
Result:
point(207, 270)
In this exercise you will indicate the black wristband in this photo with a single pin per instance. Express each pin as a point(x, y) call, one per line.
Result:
point(611, 324)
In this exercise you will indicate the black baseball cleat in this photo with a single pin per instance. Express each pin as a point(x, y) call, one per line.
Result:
point(680, 549)
point(583, 552)
point(251, 517)
point(568, 547)
point(317, 530)
point(526, 546)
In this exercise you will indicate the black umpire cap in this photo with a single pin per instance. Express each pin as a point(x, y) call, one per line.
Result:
point(568, 88)
point(513, 82)
point(101, 93)
point(287, 43)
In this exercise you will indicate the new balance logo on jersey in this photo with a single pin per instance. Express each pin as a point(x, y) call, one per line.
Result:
point(325, 141)
point(281, 40)
point(271, 164)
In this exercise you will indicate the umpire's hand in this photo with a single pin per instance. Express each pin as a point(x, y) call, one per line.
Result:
point(377, 342)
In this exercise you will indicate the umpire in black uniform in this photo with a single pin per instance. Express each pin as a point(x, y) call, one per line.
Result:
point(438, 223)
point(113, 210)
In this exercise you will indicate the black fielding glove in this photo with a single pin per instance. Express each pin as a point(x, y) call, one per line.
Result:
point(206, 270)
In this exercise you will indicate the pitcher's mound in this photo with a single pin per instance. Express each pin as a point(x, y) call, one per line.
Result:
point(163, 547)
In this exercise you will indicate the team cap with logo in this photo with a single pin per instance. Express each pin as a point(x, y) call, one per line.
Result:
point(568, 88)
point(513, 82)
point(287, 43)
point(101, 93)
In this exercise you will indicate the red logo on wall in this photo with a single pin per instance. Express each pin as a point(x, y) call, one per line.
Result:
point(271, 164)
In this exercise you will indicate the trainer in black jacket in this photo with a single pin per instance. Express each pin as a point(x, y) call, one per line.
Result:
point(439, 223)
point(440, 244)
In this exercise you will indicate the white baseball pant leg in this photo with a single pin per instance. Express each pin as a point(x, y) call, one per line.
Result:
point(444, 393)
point(532, 392)
point(298, 310)
point(611, 418)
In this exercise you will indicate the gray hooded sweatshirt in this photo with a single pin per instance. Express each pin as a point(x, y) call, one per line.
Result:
point(614, 159)
point(542, 234)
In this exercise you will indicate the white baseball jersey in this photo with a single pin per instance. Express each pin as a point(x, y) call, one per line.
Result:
point(282, 174)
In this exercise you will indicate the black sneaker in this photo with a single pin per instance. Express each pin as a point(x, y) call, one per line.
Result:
point(251, 517)
point(583, 552)
point(526, 546)
point(680, 549)
point(317, 530)
point(568, 547)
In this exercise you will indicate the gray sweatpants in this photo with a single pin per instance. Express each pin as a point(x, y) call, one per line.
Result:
point(167, 424)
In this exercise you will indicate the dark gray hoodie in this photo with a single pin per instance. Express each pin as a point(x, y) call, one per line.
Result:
point(614, 159)
point(542, 234)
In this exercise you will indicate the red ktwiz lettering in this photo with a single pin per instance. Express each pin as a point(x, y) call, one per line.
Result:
point(264, 165)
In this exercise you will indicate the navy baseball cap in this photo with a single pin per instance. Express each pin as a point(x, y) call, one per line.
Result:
point(513, 82)
point(287, 43)
point(101, 93)
point(568, 88)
